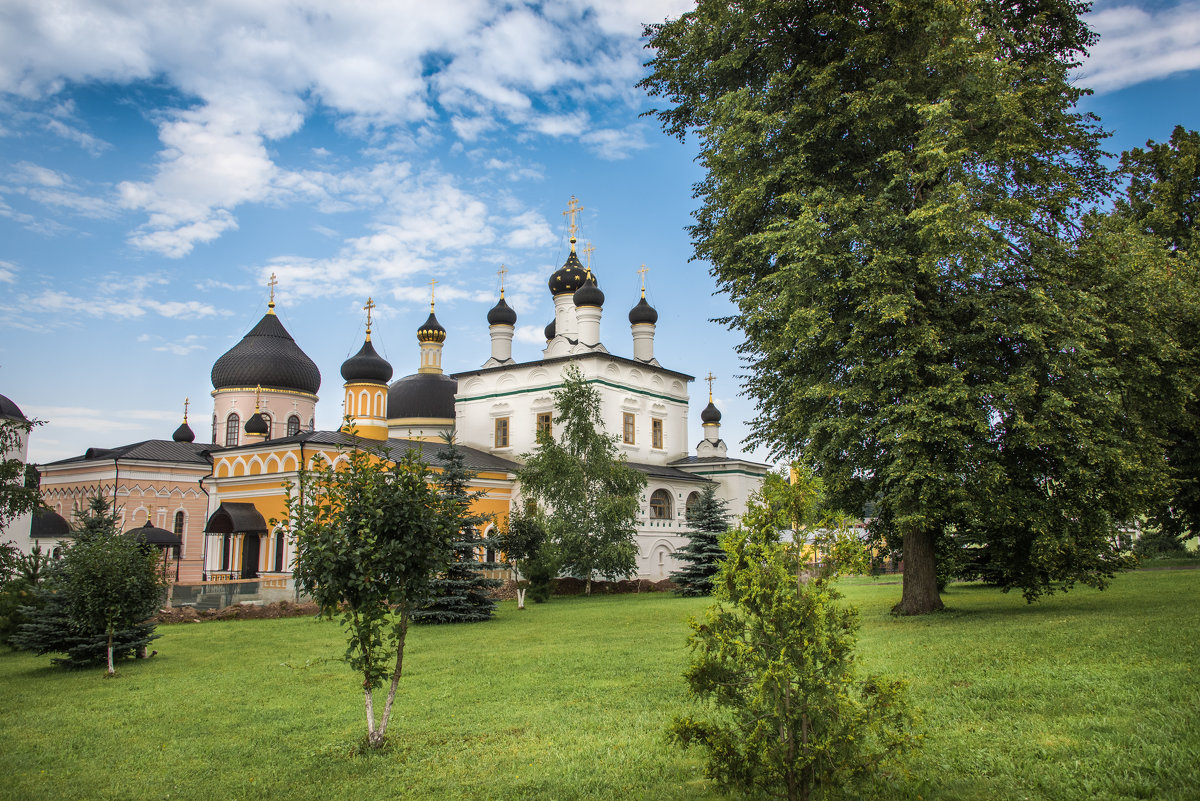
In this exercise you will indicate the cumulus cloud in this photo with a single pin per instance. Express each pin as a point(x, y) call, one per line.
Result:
point(251, 74)
point(1138, 45)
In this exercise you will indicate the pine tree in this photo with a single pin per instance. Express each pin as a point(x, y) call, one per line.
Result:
point(707, 519)
point(463, 594)
point(96, 602)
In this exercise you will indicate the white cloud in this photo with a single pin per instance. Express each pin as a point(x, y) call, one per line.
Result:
point(1138, 45)
point(399, 74)
point(25, 172)
point(8, 272)
point(530, 334)
point(613, 144)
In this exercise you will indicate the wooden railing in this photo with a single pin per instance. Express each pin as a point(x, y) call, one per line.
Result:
point(279, 582)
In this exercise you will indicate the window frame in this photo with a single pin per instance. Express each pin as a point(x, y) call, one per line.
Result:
point(663, 505)
point(657, 436)
point(501, 425)
point(233, 430)
point(629, 428)
point(293, 425)
point(544, 421)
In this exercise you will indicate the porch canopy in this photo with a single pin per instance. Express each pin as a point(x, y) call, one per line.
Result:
point(236, 518)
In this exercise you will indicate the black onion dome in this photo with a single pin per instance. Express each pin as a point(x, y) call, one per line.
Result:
point(10, 409)
point(551, 330)
point(502, 314)
point(257, 425)
point(422, 395)
point(643, 312)
point(184, 433)
point(267, 357)
point(569, 278)
point(711, 414)
point(49, 524)
point(589, 294)
point(431, 330)
point(151, 534)
point(367, 365)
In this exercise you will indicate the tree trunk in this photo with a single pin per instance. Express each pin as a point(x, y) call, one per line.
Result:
point(520, 598)
point(401, 635)
point(920, 593)
point(588, 587)
point(111, 670)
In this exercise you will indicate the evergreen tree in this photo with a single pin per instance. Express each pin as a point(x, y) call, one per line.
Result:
point(707, 518)
point(96, 602)
point(463, 594)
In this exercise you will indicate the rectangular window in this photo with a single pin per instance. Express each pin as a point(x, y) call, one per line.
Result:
point(545, 422)
point(656, 433)
point(501, 432)
point(628, 428)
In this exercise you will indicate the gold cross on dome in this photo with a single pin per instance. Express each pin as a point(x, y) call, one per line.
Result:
point(710, 378)
point(642, 272)
point(370, 305)
point(573, 208)
point(503, 271)
point(588, 249)
point(432, 285)
point(272, 284)
point(186, 401)
point(257, 397)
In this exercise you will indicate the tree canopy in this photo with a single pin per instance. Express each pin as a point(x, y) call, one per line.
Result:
point(590, 492)
point(371, 535)
point(892, 198)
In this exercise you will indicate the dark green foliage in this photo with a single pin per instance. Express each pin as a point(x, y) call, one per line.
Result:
point(892, 198)
point(527, 548)
point(1158, 542)
point(707, 518)
point(97, 600)
point(774, 661)
point(19, 492)
point(47, 629)
point(14, 594)
point(371, 535)
point(589, 492)
point(463, 594)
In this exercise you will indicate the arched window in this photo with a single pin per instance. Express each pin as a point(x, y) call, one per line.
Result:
point(233, 425)
point(279, 550)
point(267, 419)
point(293, 426)
point(179, 523)
point(693, 498)
point(660, 505)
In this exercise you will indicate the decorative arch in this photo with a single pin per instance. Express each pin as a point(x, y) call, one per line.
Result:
point(233, 429)
point(293, 425)
point(692, 499)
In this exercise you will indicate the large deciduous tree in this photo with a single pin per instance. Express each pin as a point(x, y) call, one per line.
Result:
point(19, 492)
point(892, 199)
point(591, 495)
point(371, 534)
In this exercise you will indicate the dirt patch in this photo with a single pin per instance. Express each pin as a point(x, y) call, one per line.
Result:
point(187, 614)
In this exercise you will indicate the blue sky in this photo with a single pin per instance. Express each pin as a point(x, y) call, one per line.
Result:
point(159, 160)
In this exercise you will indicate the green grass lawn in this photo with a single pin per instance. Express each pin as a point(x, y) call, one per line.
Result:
point(1091, 695)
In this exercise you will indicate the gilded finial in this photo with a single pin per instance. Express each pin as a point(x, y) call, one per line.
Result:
point(272, 284)
point(432, 285)
point(257, 395)
point(573, 208)
point(710, 378)
point(588, 249)
point(370, 305)
point(642, 272)
point(186, 401)
point(503, 271)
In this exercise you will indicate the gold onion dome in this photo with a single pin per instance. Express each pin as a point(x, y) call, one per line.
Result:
point(570, 276)
point(431, 330)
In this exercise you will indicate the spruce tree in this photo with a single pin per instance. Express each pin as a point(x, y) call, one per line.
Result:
point(707, 519)
point(463, 594)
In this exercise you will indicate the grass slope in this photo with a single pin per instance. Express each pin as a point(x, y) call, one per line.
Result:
point(1084, 696)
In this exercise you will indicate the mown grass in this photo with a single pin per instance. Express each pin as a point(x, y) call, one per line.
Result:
point(1085, 696)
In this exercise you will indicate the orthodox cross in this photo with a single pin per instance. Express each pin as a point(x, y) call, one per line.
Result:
point(642, 272)
point(185, 408)
point(503, 271)
point(432, 285)
point(588, 249)
point(370, 305)
point(257, 393)
point(710, 378)
point(573, 208)
point(272, 284)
